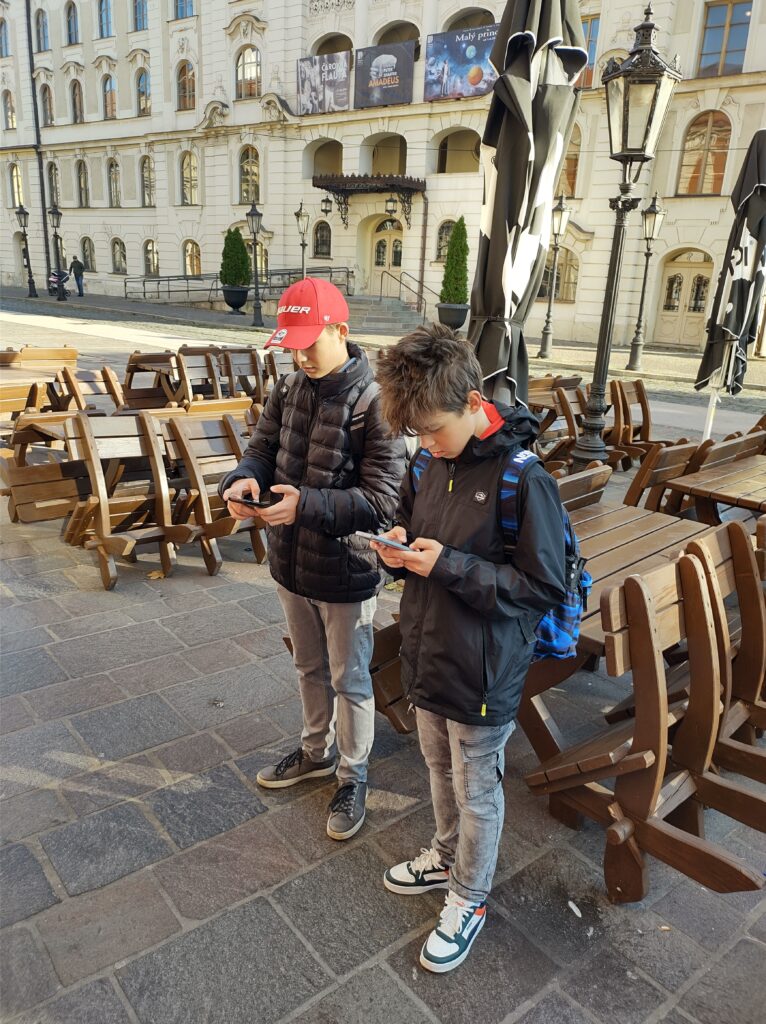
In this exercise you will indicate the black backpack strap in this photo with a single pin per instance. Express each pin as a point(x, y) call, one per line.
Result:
point(358, 423)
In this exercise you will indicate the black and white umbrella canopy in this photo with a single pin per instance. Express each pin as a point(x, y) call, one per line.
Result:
point(733, 323)
point(538, 55)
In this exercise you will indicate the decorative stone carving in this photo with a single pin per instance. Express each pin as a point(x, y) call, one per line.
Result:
point(139, 57)
point(215, 113)
point(245, 26)
point(317, 7)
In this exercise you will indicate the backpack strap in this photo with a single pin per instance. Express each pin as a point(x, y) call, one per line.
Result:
point(358, 423)
point(419, 465)
point(515, 466)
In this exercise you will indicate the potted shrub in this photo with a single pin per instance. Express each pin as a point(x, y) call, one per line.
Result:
point(453, 305)
point(235, 272)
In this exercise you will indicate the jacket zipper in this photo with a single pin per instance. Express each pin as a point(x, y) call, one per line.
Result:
point(296, 528)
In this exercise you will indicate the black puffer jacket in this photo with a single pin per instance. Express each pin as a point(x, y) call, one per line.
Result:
point(468, 628)
point(303, 439)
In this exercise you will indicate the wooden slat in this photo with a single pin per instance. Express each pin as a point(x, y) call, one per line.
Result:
point(605, 523)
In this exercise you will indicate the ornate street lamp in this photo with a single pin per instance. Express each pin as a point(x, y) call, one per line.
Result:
point(638, 95)
point(326, 206)
point(54, 216)
point(559, 220)
point(254, 222)
point(22, 216)
point(652, 216)
point(302, 218)
point(391, 206)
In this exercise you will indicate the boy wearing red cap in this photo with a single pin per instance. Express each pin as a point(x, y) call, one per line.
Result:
point(329, 486)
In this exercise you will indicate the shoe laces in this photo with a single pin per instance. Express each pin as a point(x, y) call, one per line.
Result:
point(344, 799)
point(454, 915)
point(287, 762)
point(427, 860)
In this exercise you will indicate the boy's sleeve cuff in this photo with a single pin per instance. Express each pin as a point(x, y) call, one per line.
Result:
point(445, 570)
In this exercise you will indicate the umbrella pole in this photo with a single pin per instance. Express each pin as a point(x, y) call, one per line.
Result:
point(714, 400)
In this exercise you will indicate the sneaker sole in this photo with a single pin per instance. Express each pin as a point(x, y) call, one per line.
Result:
point(429, 965)
point(340, 836)
point(319, 773)
point(413, 890)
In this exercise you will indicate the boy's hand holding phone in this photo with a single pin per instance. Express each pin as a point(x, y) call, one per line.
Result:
point(420, 559)
point(247, 488)
point(278, 508)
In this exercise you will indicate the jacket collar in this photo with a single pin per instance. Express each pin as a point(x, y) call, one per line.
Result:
point(520, 429)
point(338, 383)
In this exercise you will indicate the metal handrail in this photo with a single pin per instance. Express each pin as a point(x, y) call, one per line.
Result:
point(421, 285)
point(271, 283)
point(421, 303)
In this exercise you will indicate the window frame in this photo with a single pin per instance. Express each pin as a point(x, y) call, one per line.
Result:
point(246, 196)
point(42, 31)
point(573, 155)
point(240, 92)
point(113, 184)
point(143, 73)
point(320, 251)
point(53, 181)
point(148, 183)
point(5, 43)
point(707, 152)
point(186, 249)
point(443, 244)
point(183, 9)
point(83, 185)
point(155, 258)
point(46, 105)
point(108, 79)
point(189, 89)
point(118, 245)
point(16, 185)
point(729, 5)
point(193, 179)
point(140, 16)
point(568, 260)
point(585, 81)
point(9, 111)
point(78, 106)
point(104, 19)
point(88, 257)
point(72, 21)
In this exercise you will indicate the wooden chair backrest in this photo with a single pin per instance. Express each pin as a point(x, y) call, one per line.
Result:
point(75, 387)
point(33, 357)
point(586, 488)
point(760, 545)
point(244, 370)
point(48, 491)
point(633, 397)
point(663, 463)
point(15, 398)
point(212, 349)
point(278, 364)
point(199, 376)
point(732, 451)
point(209, 448)
point(537, 384)
point(759, 425)
point(138, 374)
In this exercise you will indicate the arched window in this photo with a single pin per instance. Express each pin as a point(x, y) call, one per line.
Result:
point(104, 18)
point(113, 180)
point(401, 32)
point(262, 255)
point(42, 40)
point(184, 8)
point(5, 49)
point(322, 239)
point(147, 181)
point(83, 185)
point(46, 105)
point(704, 159)
point(78, 112)
point(248, 72)
point(72, 25)
point(151, 259)
point(119, 257)
point(109, 93)
point(568, 178)
point(54, 191)
point(189, 189)
point(459, 153)
point(140, 16)
point(442, 239)
point(698, 296)
point(380, 252)
point(88, 251)
point(673, 287)
point(17, 192)
point(9, 111)
point(249, 175)
point(143, 93)
point(192, 259)
point(187, 92)
point(566, 276)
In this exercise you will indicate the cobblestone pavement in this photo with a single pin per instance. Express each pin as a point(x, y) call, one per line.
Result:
point(147, 879)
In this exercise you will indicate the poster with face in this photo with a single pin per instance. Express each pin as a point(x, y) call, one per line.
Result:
point(323, 83)
point(384, 74)
point(457, 63)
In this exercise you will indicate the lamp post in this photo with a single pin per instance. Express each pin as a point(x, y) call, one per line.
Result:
point(22, 216)
point(638, 94)
point(254, 222)
point(652, 216)
point(559, 220)
point(54, 216)
point(302, 218)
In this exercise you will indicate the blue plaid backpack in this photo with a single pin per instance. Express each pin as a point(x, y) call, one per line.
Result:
point(559, 629)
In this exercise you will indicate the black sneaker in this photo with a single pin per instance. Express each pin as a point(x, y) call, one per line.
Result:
point(347, 810)
point(293, 769)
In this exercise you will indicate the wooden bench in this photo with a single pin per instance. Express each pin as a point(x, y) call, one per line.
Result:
point(15, 399)
point(586, 488)
point(710, 455)
point(39, 359)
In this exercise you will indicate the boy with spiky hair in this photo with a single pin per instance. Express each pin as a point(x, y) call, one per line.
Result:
point(469, 610)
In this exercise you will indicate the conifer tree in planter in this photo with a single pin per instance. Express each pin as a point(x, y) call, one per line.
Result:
point(235, 271)
point(453, 305)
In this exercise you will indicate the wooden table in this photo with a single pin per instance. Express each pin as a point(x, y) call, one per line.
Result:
point(740, 484)
point(618, 541)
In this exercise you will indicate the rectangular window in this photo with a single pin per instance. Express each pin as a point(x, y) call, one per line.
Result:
point(724, 40)
point(184, 8)
point(590, 28)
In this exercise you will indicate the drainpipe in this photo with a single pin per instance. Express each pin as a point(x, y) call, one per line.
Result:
point(37, 142)
point(423, 242)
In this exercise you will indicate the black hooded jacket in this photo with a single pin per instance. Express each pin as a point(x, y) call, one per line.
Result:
point(468, 628)
point(302, 438)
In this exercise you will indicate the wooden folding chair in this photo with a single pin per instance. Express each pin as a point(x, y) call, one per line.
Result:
point(278, 364)
point(46, 492)
point(633, 420)
point(654, 804)
point(760, 545)
point(199, 376)
point(209, 449)
point(586, 488)
point(131, 505)
point(38, 358)
point(243, 369)
point(662, 463)
point(74, 388)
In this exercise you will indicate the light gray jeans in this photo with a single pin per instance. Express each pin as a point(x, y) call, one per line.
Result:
point(332, 648)
point(466, 764)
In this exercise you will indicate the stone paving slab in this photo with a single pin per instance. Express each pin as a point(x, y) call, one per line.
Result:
point(95, 1003)
point(26, 973)
point(25, 888)
point(34, 757)
point(130, 726)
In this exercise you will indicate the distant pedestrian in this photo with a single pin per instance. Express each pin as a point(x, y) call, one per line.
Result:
point(77, 269)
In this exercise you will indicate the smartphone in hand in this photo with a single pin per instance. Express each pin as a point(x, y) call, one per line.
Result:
point(383, 540)
point(264, 500)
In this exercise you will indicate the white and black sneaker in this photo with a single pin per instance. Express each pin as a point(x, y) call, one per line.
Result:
point(450, 942)
point(413, 877)
point(295, 768)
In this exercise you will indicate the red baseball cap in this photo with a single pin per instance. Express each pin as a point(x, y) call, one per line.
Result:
point(304, 310)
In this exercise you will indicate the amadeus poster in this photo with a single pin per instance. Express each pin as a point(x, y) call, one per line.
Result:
point(457, 63)
point(384, 74)
point(323, 83)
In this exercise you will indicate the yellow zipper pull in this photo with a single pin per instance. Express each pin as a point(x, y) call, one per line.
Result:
point(484, 711)
point(449, 489)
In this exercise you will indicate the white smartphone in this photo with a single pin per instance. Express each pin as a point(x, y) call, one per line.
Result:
point(383, 540)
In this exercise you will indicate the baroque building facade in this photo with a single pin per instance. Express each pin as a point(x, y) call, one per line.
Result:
point(154, 125)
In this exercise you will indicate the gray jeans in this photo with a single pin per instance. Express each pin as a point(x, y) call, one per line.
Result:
point(332, 647)
point(466, 764)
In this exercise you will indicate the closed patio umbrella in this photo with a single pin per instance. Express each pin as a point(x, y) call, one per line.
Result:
point(538, 54)
point(733, 323)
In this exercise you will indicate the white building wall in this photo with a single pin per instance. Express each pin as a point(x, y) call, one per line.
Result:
point(221, 125)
